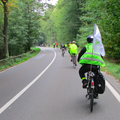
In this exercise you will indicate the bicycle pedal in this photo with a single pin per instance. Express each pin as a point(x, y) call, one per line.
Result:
point(87, 96)
point(84, 87)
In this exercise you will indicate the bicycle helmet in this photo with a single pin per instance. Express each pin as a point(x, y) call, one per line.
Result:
point(73, 41)
point(90, 39)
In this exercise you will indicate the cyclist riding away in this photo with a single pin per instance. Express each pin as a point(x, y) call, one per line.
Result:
point(54, 45)
point(73, 50)
point(86, 57)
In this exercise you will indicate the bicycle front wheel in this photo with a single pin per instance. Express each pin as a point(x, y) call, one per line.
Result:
point(91, 100)
point(63, 54)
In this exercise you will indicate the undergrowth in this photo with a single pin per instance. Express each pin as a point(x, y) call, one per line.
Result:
point(26, 56)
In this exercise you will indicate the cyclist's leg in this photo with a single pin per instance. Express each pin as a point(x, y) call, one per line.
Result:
point(76, 58)
point(86, 68)
point(71, 56)
point(63, 50)
point(82, 72)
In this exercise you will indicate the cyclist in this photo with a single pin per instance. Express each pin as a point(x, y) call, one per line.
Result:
point(54, 45)
point(48, 44)
point(65, 46)
point(86, 57)
point(62, 47)
point(73, 49)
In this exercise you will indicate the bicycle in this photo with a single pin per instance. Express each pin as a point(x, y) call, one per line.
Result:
point(74, 60)
point(63, 52)
point(90, 87)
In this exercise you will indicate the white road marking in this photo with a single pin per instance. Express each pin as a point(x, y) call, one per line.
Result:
point(25, 89)
point(114, 92)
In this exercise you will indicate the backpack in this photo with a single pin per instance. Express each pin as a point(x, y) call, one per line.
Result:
point(100, 83)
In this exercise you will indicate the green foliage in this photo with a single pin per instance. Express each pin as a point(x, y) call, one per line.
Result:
point(23, 26)
point(47, 27)
point(66, 20)
point(112, 68)
point(10, 62)
point(26, 56)
point(61, 24)
point(105, 13)
point(1, 28)
point(29, 24)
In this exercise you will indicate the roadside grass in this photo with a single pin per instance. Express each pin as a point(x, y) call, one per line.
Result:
point(112, 68)
point(12, 62)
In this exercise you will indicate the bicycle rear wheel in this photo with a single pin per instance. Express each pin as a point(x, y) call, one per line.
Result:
point(74, 62)
point(63, 52)
point(91, 100)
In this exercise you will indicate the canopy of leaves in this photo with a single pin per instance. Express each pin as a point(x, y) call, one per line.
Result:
point(23, 25)
point(105, 13)
point(32, 22)
point(62, 23)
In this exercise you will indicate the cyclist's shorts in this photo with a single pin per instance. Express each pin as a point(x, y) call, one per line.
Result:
point(71, 53)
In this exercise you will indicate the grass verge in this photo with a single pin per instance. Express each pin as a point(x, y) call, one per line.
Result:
point(112, 68)
point(12, 62)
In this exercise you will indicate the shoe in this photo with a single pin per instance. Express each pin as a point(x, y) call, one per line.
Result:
point(85, 83)
point(96, 95)
point(71, 60)
point(75, 64)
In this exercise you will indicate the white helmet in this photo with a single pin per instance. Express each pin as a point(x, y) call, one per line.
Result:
point(73, 41)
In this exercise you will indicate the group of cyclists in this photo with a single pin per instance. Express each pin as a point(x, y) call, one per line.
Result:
point(87, 58)
point(55, 44)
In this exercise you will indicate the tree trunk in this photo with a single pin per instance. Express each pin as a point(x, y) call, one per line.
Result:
point(5, 2)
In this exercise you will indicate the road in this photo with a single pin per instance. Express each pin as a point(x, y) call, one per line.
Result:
point(47, 87)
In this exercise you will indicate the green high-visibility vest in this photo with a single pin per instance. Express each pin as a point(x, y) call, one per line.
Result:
point(91, 57)
point(65, 45)
point(73, 49)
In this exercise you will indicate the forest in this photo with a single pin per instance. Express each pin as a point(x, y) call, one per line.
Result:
point(26, 23)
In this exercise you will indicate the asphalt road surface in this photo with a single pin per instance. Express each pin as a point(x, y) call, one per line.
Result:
point(47, 87)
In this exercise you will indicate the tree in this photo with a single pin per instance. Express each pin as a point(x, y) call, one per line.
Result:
point(5, 30)
point(24, 26)
point(47, 25)
point(67, 21)
point(1, 30)
point(6, 7)
point(105, 13)
point(62, 23)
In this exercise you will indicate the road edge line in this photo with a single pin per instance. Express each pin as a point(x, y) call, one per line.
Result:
point(114, 92)
point(3, 108)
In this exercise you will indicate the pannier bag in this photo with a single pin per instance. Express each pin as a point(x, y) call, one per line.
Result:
point(100, 83)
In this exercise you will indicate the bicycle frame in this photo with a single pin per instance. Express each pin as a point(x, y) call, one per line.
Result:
point(63, 51)
point(91, 86)
point(74, 60)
